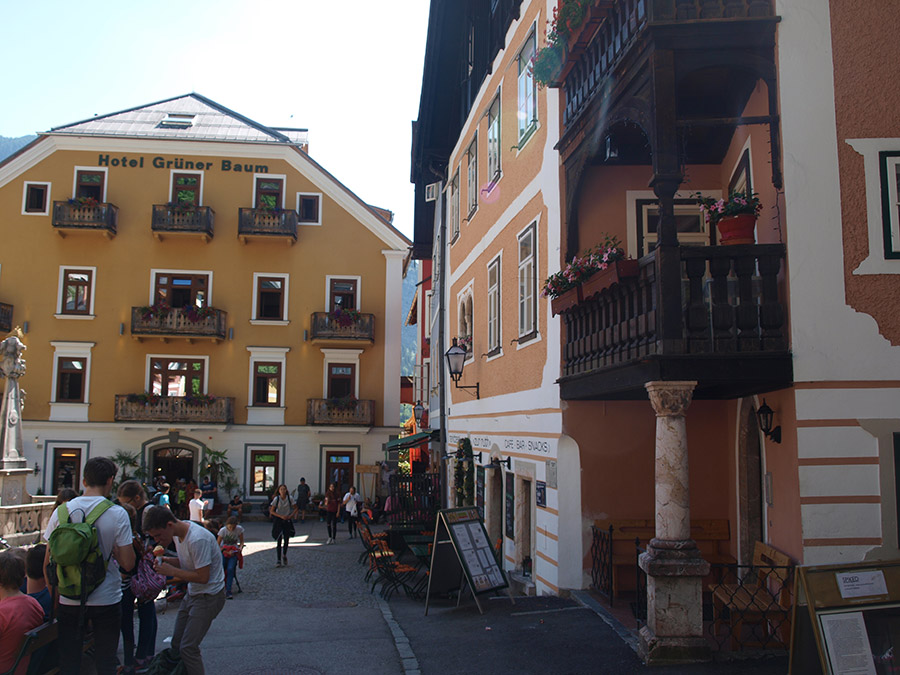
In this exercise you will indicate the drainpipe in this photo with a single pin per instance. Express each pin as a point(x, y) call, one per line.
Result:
point(442, 320)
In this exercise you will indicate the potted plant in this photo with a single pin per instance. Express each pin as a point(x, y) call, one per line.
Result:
point(734, 217)
point(158, 310)
point(568, 16)
point(344, 316)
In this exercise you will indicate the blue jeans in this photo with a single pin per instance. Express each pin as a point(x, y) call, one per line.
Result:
point(146, 642)
point(230, 569)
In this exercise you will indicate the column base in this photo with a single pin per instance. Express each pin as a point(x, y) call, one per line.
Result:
point(661, 651)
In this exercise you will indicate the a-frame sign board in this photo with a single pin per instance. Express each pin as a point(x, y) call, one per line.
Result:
point(462, 554)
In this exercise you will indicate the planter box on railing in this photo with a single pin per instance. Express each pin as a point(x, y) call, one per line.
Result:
point(324, 327)
point(175, 409)
point(177, 324)
point(102, 217)
point(320, 412)
point(267, 223)
point(189, 220)
point(6, 314)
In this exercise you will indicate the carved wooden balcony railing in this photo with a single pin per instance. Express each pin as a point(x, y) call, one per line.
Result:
point(324, 327)
point(174, 409)
point(176, 322)
point(75, 216)
point(182, 220)
point(733, 338)
point(267, 223)
point(321, 411)
point(612, 27)
point(6, 314)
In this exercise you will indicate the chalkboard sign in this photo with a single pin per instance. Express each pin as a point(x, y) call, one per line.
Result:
point(511, 505)
point(479, 490)
point(850, 615)
point(540, 493)
point(462, 552)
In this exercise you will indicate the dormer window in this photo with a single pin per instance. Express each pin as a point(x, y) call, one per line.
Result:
point(177, 121)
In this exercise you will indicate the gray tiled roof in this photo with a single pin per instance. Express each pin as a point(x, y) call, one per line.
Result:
point(211, 122)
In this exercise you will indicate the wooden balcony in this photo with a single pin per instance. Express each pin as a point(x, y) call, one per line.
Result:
point(325, 328)
point(178, 322)
point(181, 220)
point(724, 325)
point(174, 409)
point(267, 224)
point(323, 412)
point(71, 216)
point(6, 314)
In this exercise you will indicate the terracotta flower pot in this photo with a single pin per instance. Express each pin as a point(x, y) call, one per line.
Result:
point(737, 229)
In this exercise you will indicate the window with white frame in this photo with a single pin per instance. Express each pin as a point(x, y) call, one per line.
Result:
point(472, 176)
point(179, 376)
point(70, 393)
point(689, 222)
point(426, 314)
point(76, 292)
point(341, 373)
point(270, 298)
point(265, 396)
point(309, 208)
point(454, 207)
point(466, 321)
point(527, 283)
point(889, 170)
point(493, 142)
point(36, 199)
point(527, 100)
point(181, 288)
point(493, 302)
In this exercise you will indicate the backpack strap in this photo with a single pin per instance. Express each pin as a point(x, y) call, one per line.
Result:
point(98, 511)
point(62, 513)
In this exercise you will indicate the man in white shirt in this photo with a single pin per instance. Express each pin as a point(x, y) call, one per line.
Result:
point(197, 506)
point(104, 605)
point(199, 563)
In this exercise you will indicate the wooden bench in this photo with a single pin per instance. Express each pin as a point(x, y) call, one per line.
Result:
point(711, 535)
point(763, 600)
point(36, 640)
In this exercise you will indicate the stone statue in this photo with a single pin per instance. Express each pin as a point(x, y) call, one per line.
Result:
point(12, 367)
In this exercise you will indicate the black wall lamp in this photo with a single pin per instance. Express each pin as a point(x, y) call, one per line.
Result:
point(765, 416)
point(456, 358)
point(418, 412)
point(496, 463)
point(37, 468)
point(460, 456)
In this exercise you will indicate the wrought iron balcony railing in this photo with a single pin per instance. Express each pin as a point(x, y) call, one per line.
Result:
point(267, 223)
point(94, 216)
point(179, 322)
point(324, 326)
point(323, 411)
point(130, 408)
point(190, 219)
point(6, 314)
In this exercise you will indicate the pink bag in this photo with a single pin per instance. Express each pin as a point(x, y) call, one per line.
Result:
point(147, 583)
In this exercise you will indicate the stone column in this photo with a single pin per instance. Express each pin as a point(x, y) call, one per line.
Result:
point(674, 566)
point(13, 469)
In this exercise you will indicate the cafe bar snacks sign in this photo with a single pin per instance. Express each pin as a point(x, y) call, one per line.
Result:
point(847, 619)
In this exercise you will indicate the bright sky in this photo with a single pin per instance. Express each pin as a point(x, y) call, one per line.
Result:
point(348, 71)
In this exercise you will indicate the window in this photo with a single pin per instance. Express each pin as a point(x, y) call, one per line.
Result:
point(493, 142)
point(174, 376)
point(472, 175)
point(36, 199)
point(77, 291)
point(689, 221)
point(342, 293)
point(264, 469)
point(90, 184)
point(181, 290)
point(269, 193)
point(341, 380)
point(267, 383)
point(70, 378)
point(527, 113)
point(527, 283)
point(454, 207)
point(186, 188)
point(889, 169)
point(493, 322)
point(308, 208)
point(270, 297)
point(881, 163)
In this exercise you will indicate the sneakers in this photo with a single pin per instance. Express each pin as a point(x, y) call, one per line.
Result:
point(330, 540)
point(278, 564)
point(229, 597)
point(142, 665)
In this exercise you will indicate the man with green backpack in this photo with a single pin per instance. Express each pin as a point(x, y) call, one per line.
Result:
point(89, 545)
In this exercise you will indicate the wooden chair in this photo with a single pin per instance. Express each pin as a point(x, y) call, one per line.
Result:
point(36, 640)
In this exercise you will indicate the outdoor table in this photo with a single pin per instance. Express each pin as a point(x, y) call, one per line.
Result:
point(412, 539)
point(423, 558)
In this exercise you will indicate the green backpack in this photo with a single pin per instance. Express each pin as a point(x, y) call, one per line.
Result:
point(75, 552)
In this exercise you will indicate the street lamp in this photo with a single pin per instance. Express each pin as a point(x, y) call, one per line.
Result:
point(418, 413)
point(765, 415)
point(456, 359)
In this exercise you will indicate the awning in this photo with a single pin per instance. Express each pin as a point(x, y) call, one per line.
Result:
point(414, 440)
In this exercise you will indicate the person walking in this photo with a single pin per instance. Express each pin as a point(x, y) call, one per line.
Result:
point(196, 507)
point(302, 499)
point(199, 563)
point(231, 541)
point(351, 504)
point(283, 512)
point(103, 607)
point(331, 512)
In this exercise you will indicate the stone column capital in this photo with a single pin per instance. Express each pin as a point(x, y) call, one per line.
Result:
point(670, 399)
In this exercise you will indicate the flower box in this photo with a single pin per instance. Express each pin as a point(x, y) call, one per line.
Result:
point(566, 301)
point(600, 281)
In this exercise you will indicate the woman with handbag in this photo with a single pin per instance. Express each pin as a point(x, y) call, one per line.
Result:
point(283, 512)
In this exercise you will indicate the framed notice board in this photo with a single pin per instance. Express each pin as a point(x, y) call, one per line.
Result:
point(846, 619)
point(462, 552)
point(510, 505)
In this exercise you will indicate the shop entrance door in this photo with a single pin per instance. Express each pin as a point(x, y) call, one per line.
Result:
point(174, 463)
point(66, 469)
point(339, 470)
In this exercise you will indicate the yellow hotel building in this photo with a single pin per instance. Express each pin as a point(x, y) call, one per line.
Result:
point(185, 281)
